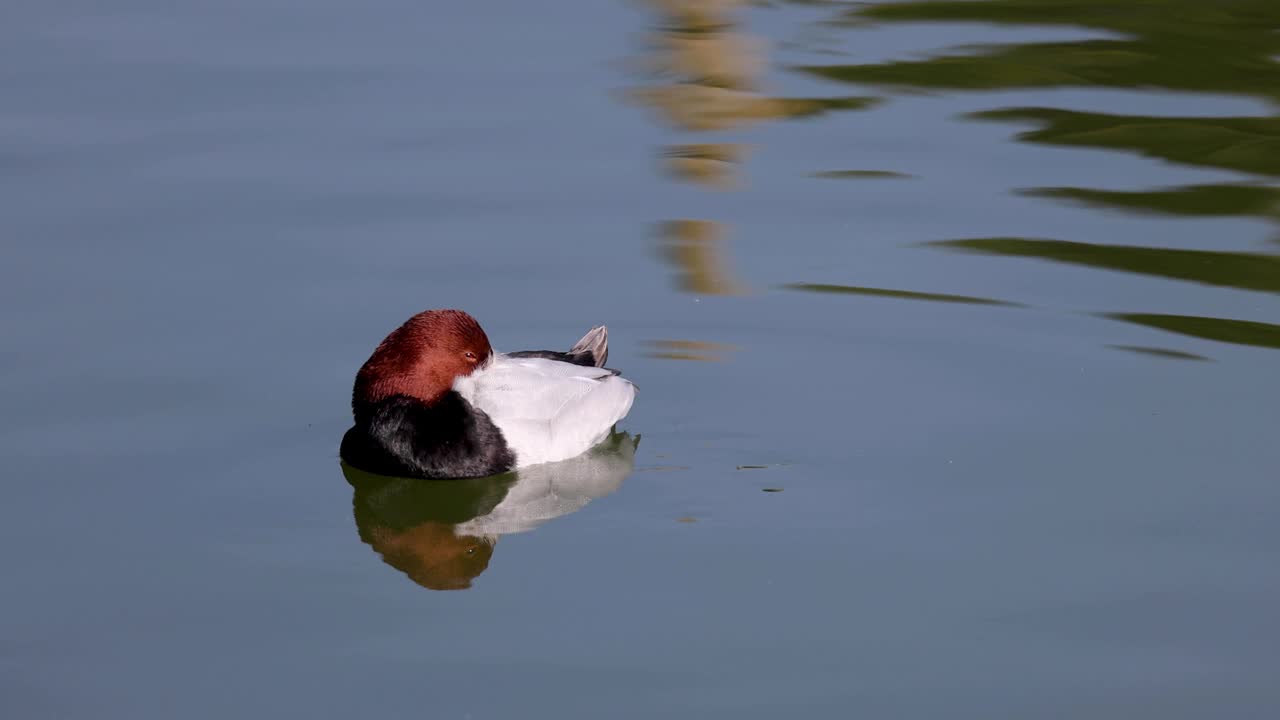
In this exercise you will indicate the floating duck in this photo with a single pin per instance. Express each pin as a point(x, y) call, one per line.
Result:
point(436, 401)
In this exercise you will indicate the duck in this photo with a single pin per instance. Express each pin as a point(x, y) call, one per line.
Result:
point(435, 400)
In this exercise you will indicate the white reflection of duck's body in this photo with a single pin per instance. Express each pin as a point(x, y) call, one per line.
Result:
point(545, 492)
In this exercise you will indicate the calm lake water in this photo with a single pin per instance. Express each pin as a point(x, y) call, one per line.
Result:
point(956, 328)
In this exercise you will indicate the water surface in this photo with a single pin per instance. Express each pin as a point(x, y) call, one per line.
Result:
point(983, 294)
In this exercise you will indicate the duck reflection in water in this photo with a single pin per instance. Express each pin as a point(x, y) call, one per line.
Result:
point(442, 533)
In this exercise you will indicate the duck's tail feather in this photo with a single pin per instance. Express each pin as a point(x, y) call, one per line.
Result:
point(591, 351)
point(595, 344)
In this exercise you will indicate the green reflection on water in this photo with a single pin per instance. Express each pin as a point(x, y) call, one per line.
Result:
point(862, 175)
point(1182, 45)
point(900, 294)
point(1247, 144)
point(402, 503)
point(1228, 47)
point(1161, 352)
point(1247, 271)
point(1173, 44)
point(1189, 200)
point(1238, 332)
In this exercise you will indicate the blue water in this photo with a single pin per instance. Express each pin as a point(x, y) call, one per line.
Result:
point(213, 212)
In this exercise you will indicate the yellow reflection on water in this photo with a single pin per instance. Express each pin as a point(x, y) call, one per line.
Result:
point(707, 72)
point(688, 350)
point(710, 164)
point(696, 248)
point(709, 68)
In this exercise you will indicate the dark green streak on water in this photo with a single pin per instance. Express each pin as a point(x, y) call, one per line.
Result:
point(900, 294)
point(862, 175)
point(1190, 200)
point(1173, 44)
point(1179, 45)
point(1247, 144)
point(809, 107)
point(402, 503)
point(1238, 332)
point(1161, 352)
point(1247, 271)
